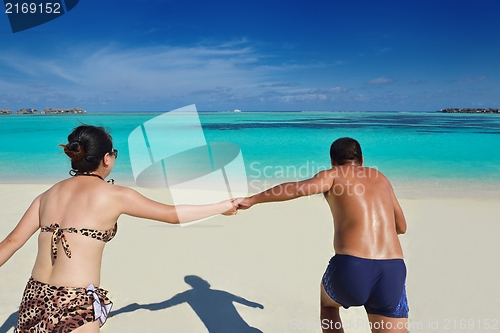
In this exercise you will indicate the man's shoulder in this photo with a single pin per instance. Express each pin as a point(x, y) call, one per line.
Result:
point(350, 169)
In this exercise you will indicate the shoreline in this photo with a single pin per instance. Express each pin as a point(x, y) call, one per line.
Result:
point(405, 189)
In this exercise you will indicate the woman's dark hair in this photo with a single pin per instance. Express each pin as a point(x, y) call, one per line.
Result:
point(345, 149)
point(86, 147)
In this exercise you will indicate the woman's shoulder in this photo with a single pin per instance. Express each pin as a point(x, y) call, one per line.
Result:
point(74, 186)
point(123, 193)
point(54, 188)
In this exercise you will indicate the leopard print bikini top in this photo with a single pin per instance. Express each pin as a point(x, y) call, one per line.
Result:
point(58, 235)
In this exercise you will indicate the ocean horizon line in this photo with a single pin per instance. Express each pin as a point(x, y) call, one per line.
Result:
point(222, 111)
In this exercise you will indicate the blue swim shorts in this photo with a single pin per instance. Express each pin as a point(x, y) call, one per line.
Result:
point(377, 284)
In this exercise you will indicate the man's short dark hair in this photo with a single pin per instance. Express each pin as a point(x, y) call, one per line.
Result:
point(345, 150)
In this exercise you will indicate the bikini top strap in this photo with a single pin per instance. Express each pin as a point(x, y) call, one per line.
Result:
point(101, 235)
point(58, 235)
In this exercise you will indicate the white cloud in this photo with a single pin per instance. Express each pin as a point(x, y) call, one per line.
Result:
point(471, 79)
point(298, 98)
point(417, 81)
point(335, 90)
point(381, 80)
point(140, 73)
point(302, 95)
point(279, 85)
point(109, 74)
point(384, 50)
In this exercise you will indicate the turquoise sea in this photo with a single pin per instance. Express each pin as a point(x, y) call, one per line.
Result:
point(409, 147)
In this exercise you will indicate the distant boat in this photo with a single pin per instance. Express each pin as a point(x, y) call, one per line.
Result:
point(237, 110)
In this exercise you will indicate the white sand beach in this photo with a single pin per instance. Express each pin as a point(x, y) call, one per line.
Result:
point(273, 256)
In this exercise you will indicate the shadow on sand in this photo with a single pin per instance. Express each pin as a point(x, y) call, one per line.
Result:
point(11, 322)
point(215, 308)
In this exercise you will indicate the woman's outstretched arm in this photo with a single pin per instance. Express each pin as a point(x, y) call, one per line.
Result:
point(135, 204)
point(26, 227)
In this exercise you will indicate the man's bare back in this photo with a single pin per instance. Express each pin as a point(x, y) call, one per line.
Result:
point(368, 267)
point(366, 214)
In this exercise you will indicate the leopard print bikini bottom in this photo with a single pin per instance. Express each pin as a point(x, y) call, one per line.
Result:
point(46, 308)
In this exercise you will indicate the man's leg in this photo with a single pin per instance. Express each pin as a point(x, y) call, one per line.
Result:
point(330, 314)
point(383, 324)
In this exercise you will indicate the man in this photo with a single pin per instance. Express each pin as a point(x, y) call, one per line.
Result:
point(368, 267)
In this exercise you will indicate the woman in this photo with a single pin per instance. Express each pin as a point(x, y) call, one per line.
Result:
point(76, 217)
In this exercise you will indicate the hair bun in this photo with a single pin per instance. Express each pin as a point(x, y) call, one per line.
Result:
point(74, 145)
point(87, 145)
point(74, 150)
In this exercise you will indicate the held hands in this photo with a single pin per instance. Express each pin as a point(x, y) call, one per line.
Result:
point(245, 203)
point(237, 204)
point(233, 210)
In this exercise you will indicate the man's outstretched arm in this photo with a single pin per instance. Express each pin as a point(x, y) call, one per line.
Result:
point(320, 183)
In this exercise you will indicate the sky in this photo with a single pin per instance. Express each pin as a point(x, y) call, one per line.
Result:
point(159, 55)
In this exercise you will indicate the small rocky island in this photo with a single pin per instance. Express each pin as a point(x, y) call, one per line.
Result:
point(44, 111)
point(470, 110)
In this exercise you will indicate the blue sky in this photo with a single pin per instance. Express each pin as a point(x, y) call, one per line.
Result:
point(158, 55)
